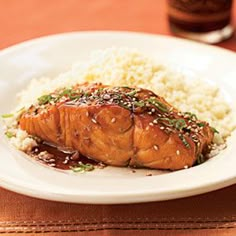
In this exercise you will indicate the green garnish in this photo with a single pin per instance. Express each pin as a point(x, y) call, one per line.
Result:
point(86, 94)
point(124, 106)
point(201, 124)
point(159, 105)
point(118, 97)
point(7, 115)
point(9, 134)
point(180, 124)
point(74, 97)
point(166, 121)
point(44, 99)
point(132, 93)
point(184, 141)
point(139, 103)
point(21, 110)
point(200, 159)
point(66, 92)
point(100, 90)
point(82, 167)
point(214, 130)
point(70, 93)
point(127, 87)
point(191, 115)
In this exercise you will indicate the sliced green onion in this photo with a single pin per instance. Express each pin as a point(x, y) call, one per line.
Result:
point(132, 93)
point(139, 103)
point(180, 124)
point(214, 130)
point(200, 159)
point(66, 92)
point(201, 124)
point(177, 123)
point(159, 105)
point(170, 122)
point(82, 167)
point(45, 99)
point(21, 110)
point(127, 87)
point(7, 115)
point(184, 141)
point(192, 116)
point(9, 134)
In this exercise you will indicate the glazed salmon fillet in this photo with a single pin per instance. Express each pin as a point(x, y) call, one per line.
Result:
point(119, 126)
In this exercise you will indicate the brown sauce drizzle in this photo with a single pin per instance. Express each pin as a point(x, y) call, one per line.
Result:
point(61, 159)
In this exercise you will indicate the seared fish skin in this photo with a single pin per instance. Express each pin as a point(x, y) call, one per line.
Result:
point(119, 126)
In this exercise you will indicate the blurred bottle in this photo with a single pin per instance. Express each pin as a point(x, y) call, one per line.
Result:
point(207, 21)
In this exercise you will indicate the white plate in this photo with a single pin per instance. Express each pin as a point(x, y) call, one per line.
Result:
point(53, 54)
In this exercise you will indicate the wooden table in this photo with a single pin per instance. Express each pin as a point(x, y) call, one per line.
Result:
point(208, 214)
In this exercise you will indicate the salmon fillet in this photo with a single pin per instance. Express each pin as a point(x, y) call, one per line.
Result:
point(119, 126)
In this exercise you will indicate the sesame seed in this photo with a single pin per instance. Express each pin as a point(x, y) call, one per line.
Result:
point(101, 165)
point(156, 147)
point(155, 122)
point(149, 113)
point(185, 167)
point(151, 124)
point(94, 121)
point(153, 110)
point(52, 164)
point(178, 152)
point(134, 99)
point(106, 96)
point(147, 128)
point(162, 127)
point(113, 120)
point(65, 161)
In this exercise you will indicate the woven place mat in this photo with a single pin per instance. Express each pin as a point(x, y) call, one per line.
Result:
point(212, 211)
